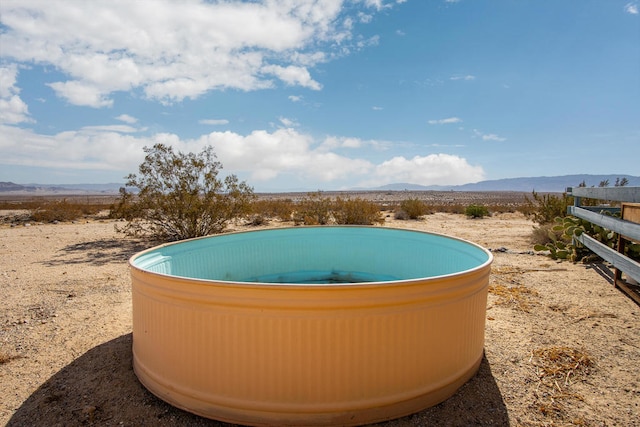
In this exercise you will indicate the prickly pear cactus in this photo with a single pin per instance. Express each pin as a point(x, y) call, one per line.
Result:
point(567, 247)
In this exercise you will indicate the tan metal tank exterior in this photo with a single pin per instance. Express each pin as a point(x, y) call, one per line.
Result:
point(270, 354)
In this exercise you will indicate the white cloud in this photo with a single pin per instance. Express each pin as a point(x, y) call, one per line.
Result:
point(446, 121)
point(127, 119)
point(433, 169)
point(214, 122)
point(488, 136)
point(293, 76)
point(72, 149)
point(492, 137)
point(288, 122)
point(8, 81)
point(81, 93)
point(111, 128)
point(467, 77)
point(261, 156)
point(365, 17)
point(376, 108)
point(173, 49)
point(631, 8)
point(377, 4)
point(13, 109)
point(342, 142)
point(371, 41)
point(295, 98)
point(265, 156)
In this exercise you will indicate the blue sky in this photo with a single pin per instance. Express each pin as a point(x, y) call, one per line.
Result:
point(321, 94)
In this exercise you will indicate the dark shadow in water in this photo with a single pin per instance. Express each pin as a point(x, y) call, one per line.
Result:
point(100, 389)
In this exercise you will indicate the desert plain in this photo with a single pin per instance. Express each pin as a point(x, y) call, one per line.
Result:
point(562, 344)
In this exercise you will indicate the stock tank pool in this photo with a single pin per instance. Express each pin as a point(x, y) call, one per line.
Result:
point(323, 325)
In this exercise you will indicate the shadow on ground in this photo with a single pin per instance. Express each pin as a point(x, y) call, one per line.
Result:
point(100, 389)
point(100, 252)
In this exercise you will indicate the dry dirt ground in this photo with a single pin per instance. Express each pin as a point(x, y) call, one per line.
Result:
point(562, 344)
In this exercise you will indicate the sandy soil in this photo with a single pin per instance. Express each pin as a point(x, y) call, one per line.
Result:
point(562, 344)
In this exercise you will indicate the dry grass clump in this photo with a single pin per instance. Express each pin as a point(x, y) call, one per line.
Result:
point(557, 368)
point(518, 296)
point(50, 210)
point(561, 363)
point(509, 291)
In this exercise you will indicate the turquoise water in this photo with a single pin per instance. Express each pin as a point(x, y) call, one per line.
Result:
point(315, 255)
point(320, 277)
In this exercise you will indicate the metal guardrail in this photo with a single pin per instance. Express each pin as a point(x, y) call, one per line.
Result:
point(626, 229)
point(617, 225)
point(617, 194)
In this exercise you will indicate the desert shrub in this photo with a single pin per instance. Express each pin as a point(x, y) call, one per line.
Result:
point(181, 196)
point(125, 208)
point(476, 211)
point(60, 210)
point(453, 208)
point(414, 208)
point(257, 220)
point(544, 208)
point(356, 211)
point(274, 208)
point(401, 215)
point(315, 209)
point(496, 208)
point(544, 234)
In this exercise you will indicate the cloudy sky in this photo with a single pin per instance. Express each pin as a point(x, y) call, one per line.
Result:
point(321, 94)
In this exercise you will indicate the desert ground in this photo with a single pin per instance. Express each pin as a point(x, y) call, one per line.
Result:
point(562, 345)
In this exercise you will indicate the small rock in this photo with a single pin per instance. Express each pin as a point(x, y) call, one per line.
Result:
point(89, 412)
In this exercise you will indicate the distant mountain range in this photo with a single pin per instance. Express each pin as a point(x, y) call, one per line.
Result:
point(70, 189)
point(545, 184)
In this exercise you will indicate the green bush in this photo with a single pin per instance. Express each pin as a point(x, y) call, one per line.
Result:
point(181, 196)
point(413, 208)
point(356, 212)
point(543, 209)
point(315, 209)
point(476, 211)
